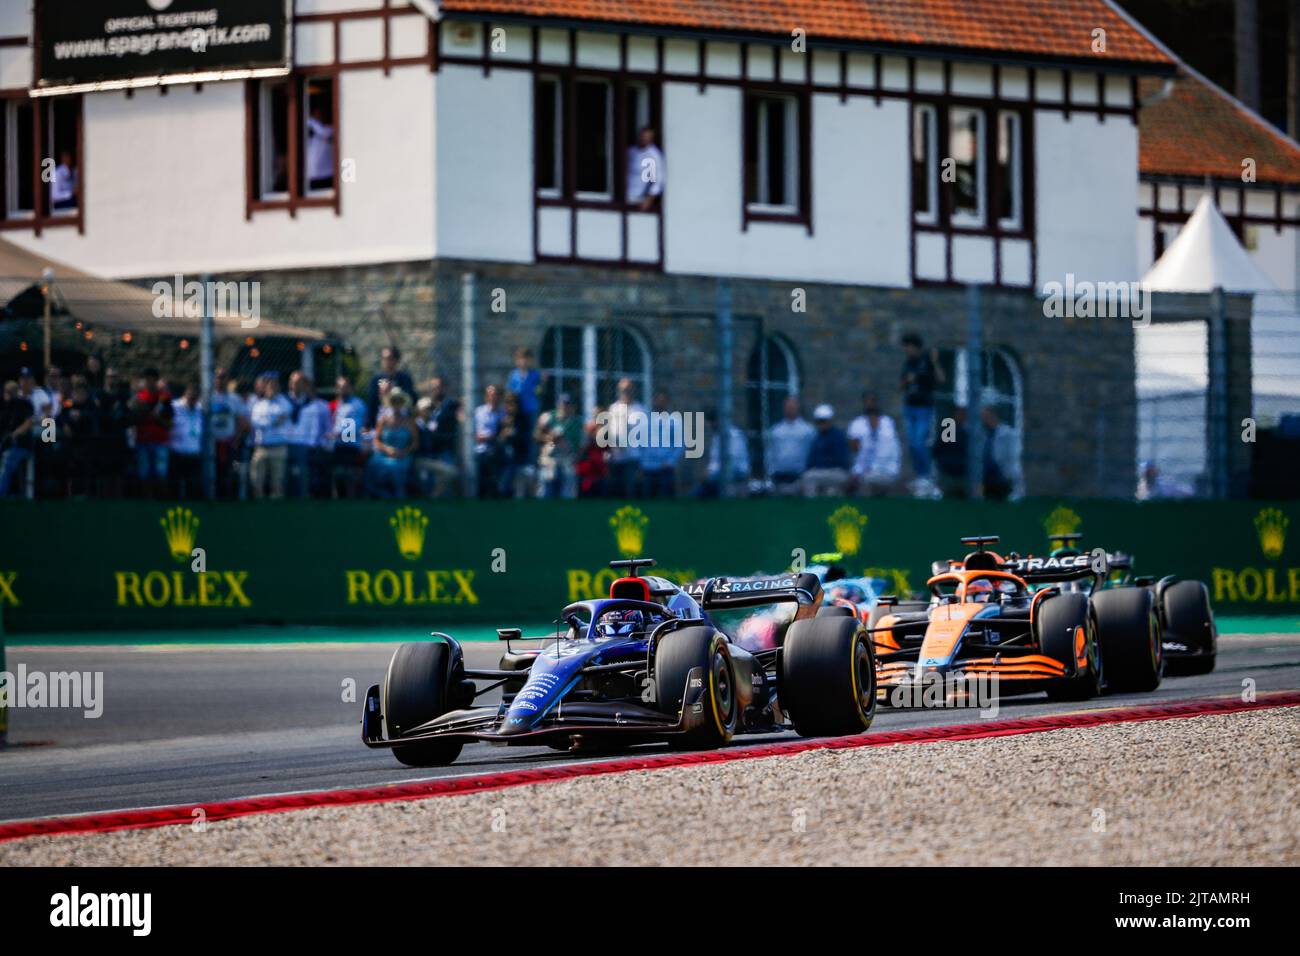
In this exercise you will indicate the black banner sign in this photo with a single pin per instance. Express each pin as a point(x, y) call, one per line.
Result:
point(87, 44)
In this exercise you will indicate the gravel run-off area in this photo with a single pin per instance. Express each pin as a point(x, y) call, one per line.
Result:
point(1195, 791)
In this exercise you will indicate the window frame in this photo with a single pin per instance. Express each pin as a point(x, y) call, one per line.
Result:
point(991, 223)
point(299, 194)
point(42, 216)
point(980, 218)
point(760, 389)
point(929, 162)
point(590, 374)
point(753, 210)
point(1016, 168)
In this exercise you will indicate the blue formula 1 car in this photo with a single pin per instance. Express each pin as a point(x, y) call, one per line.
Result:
point(646, 664)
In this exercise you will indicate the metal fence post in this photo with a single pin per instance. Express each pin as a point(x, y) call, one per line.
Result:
point(1216, 424)
point(974, 385)
point(726, 334)
point(207, 449)
point(469, 383)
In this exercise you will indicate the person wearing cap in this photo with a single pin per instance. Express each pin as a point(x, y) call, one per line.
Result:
point(559, 436)
point(16, 423)
point(827, 471)
point(271, 416)
point(152, 413)
point(873, 439)
point(395, 442)
point(788, 444)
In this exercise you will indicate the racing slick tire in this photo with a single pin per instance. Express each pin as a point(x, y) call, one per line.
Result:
point(835, 610)
point(676, 655)
point(1056, 627)
point(828, 677)
point(1188, 618)
point(417, 689)
point(1129, 634)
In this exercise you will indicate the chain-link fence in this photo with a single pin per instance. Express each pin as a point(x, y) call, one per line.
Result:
point(503, 381)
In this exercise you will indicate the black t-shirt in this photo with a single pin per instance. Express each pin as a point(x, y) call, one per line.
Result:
point(13, 412)
point(920, 390)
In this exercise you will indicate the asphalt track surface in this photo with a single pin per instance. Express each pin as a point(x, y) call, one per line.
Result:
point(195, 724)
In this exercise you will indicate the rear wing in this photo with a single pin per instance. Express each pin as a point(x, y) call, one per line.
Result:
point(720, 594)
point(1073, 567)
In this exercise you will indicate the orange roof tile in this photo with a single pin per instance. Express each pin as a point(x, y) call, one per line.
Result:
point(1199, 130)
point(1038, 28)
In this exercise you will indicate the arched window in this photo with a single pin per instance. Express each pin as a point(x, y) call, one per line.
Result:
point(1000, 381)
point(587, 361)
point(772, 376)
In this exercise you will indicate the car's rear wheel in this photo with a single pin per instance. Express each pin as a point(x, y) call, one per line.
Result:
point(1129, 633)
point(417, 689)
point(677, 654)
point(1066, 633)
point(1189, 620)
point(828, 677)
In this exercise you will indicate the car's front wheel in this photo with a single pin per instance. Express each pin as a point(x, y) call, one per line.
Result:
point(417, 689)
point(690, 654)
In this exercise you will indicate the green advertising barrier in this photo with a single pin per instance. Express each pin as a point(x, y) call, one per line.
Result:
point(135, 564)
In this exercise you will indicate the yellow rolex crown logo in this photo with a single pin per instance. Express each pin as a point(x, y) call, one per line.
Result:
point(1062, 521)
point(181, 527)
point(846, 524)
point(1271, 525)
point(409, 525)
point(629, 525)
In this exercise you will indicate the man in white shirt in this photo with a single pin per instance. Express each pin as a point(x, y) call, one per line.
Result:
point(272, 417)
point(320, 151)
point(788, 442)
point(63, 190)
point(645, 171)
point(877, 454)
point(308, 436)
point(186, 442)
point(628, 428)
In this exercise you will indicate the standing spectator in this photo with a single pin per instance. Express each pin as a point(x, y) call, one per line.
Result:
point(525, 383)
point(228, 423)
point(63, 189)
point(1001, 467)
point(16, 421)
point(349, 415)
point(921, 373)
point(390, 360)
point(395, 442)
point(304, 432)
point(320, 151)
point(186, 444)
point(152, 414)
point(951, 458)
point(625, 417)
point(1153, 484)
point(272, 417)
point(645, 171)
point(514, 445)
point(659, 459)
point(735, 483)
point(114, 401)
point(560, 437)
point(593, 464)
point(828, 457)
point(80, 423)
point(438, 420)
point(788, 444)
point(877, 456)
point(487, 423)
point(55, 388)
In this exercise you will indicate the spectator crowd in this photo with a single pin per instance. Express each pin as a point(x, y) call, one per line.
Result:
point(95, 433)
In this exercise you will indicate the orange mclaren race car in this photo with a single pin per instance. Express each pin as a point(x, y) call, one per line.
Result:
point(986, 622)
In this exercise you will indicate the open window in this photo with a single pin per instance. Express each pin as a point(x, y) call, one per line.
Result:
point(925, 167)
point(294, 126)
point(40, 160)
point(967, 186)
point(593, 118)
point(774, 173)
point(549, 137)
point(1009, 189)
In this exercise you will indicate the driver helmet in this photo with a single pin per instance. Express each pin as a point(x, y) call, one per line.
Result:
point(620, 623)
point(980, 590)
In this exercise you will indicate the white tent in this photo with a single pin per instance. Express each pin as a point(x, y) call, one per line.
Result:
point(1206, 256)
